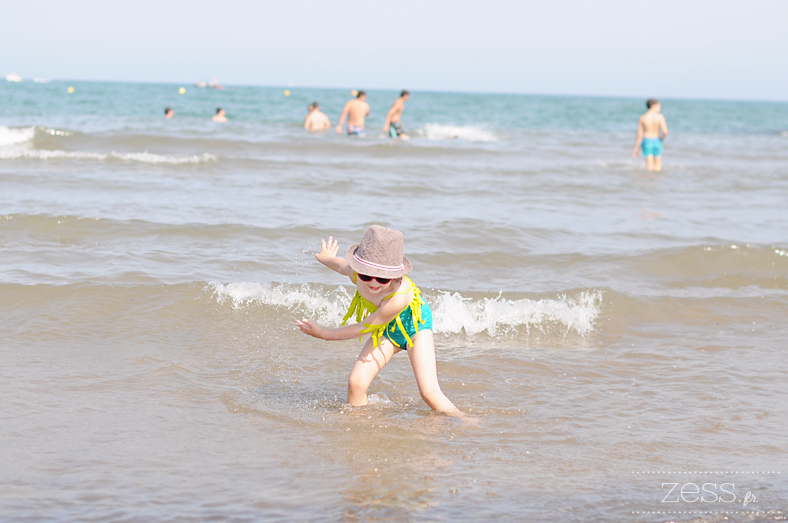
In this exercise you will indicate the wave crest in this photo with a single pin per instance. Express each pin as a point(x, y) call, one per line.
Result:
point(144, 157)
point(433, 131)
point(327, 308)
point(15, 136)
point(453, 313)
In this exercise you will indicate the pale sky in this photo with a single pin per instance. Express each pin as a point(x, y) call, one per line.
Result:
point(667, 48)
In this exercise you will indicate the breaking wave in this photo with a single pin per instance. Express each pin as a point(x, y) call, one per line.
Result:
point(453, 313)
point(144, 157)
point(17, 143)
point(469, 133)
point(15, 136)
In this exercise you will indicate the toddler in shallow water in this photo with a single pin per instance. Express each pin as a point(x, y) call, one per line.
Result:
point(388, 306)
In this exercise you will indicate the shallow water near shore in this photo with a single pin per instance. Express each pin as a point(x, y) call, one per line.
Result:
point(616, 335)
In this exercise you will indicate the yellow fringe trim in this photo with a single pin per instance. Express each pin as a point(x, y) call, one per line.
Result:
point(361, 308)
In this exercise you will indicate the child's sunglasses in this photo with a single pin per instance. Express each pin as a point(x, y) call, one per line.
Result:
point(382, 281)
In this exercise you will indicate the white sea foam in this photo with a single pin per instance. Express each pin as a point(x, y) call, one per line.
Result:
point(453, 313)
point(14, 153)
point(326, 309)
point(16, 136)
point(147, 157)
point(379, 398)
point(469, 133)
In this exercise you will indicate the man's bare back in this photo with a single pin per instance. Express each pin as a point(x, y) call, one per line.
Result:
point(316, 120)
point(650, 125)
point(356, 111)
point(219, 116)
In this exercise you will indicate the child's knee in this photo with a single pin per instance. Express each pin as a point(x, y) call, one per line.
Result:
point(356, 382)
point(430, 394)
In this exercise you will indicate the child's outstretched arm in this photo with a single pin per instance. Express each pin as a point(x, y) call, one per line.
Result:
point(342, 333)
point(328, 257)
point(389, 310)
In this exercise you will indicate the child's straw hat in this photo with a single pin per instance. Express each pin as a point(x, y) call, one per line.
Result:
point(380, 253)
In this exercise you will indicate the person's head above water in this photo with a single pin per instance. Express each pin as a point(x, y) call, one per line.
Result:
point(404, 94)
point(168, 112)
point(361, 95)
point(219, 110)
point(652, 102)
point(315, 105)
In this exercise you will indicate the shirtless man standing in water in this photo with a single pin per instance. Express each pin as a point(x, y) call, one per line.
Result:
point(649, 127)
point(393, 126)
point(316, 120)
point(356, 111)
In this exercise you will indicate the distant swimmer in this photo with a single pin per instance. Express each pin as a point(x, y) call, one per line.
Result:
point(649, 127)
point(316, 120)
point(169, 113)
point(219, 116)
point(356, 111)
point(393, 126)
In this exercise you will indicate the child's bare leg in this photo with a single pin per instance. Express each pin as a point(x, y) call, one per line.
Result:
point(422, 358)
point(369, 362)
point(657, 163)
point(650, 163)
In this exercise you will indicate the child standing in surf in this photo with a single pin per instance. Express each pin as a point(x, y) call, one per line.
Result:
point(388, 306)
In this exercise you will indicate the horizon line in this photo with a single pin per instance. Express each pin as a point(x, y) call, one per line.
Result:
point(437, 91)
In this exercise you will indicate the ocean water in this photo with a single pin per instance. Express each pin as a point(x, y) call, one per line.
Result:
point(617, 336)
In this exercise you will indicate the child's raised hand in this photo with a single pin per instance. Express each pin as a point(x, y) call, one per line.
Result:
point(329, 249)
point(310, 327)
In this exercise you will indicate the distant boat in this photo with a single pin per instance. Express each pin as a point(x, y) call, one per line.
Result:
point(13, 77)
point(41, 80)
point(213, 84)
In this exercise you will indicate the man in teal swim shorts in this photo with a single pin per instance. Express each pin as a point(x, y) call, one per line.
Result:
point(393, 125)
point(649, 127)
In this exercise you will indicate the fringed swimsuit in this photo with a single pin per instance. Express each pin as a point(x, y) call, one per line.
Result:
point(403, 328)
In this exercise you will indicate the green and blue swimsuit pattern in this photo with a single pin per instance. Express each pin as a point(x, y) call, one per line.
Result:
point(401, 330)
